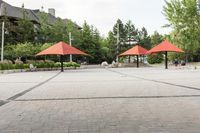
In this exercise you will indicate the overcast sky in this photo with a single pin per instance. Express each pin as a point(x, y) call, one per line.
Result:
point(104, 13)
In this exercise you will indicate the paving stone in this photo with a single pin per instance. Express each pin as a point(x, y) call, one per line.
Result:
point(102, 101)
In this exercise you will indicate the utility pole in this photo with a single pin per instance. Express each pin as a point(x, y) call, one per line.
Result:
point(2, 41)
point(117, 59)
point(70, 42)
point(129, 41)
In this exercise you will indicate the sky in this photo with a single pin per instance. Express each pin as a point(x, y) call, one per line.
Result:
point(103, 14)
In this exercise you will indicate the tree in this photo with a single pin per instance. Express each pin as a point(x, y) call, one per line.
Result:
point(10, 29)
point(144, 38)
point(25, 29)
point(91, 43)
point(155, 39)
point(59, 31)
point(184, 18)
point(111, 44)
point(75, 32)
point(44, 30)
point(120, 31)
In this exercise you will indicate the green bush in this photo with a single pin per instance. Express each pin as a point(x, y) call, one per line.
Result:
point(6, 65)
point(179, 56)
point(38, 64)
point(26, 66)
point(19, 66)
point(71, 64)
point(57, 64)
point(155, 58)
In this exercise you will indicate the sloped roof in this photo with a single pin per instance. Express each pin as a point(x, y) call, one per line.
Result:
point(136, 50)
point(61, 48)
point(165, 46)
point(16, 12)
point(51, 19)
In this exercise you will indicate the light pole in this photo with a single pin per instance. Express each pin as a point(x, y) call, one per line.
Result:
point(2, 41)
point(117, 59)
point(70, 42)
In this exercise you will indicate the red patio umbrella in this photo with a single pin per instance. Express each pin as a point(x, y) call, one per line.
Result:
point(165, 46)
point(61, 49)
point(136, 50)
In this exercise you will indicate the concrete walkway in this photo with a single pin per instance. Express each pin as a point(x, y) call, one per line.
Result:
point(121, 100)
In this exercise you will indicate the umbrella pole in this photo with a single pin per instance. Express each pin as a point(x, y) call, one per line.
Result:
point(129, 59)
point(166, 60)
point(61, 61)
point(137, 61)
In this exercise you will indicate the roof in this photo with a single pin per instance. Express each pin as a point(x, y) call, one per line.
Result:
point(136, 50)
point(165, 46)
point(16, 12)
point(61, 48)
point(51, 19)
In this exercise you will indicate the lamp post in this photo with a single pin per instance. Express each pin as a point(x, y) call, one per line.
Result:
point(70, 42)
point(118, 35)
point(2, 41)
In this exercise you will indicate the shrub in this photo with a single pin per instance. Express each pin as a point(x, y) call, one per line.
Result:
point(39, 64)
point(19, 66)
point(155, 58)
point(6, 65)
point(71, 64)
point(57, 64)
point(26, 66)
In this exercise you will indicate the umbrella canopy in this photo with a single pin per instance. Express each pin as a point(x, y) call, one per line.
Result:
point(163, 47)
point(136, 50)
point(61, 48)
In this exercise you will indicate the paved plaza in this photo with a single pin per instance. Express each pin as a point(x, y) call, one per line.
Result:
point(113, 100)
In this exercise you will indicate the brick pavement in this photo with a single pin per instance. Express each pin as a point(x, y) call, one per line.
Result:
point(102, 101)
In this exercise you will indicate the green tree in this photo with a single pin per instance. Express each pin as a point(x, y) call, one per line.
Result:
point(10, 29)
point(44, 30)
point(91, 43)
point(155, 39)
point(184, 18)
point(111, 44)
point(25, 29)
point(124, 31)
point(59, 31)
point(144, 38)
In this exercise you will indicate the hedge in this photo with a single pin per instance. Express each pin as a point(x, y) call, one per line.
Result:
point(38, 64)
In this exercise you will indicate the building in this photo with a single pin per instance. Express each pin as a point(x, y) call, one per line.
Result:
point(15, 13)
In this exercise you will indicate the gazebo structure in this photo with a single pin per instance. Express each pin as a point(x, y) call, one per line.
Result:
point(136, 50)
point(61, 49)
point(165, 46)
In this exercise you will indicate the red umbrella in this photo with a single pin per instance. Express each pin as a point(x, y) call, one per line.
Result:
point(61, 49)
point(136, 50)
point(165, 46)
